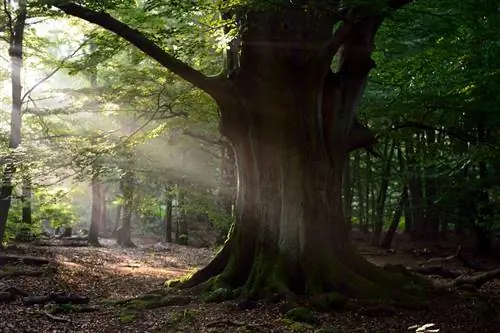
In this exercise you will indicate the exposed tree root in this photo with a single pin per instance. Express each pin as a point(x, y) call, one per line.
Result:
point(214, 268)
point(16, 273)
point(477, 280)
point(268, 275)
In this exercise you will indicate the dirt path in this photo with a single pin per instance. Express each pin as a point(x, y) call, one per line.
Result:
point(111, 273)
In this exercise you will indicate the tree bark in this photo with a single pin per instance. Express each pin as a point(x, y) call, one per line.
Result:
point(391, 232)
point(291, 233)
point(127, 184)
point(103, 210)
point(181, 232)
point(382, 194)
point(26, 198)
point(95, 216)
point(118, 219)
point(167, 219)
point(16, 39)
point(348, 193)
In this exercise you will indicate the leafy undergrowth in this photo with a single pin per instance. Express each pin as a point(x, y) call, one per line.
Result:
point(110, 277)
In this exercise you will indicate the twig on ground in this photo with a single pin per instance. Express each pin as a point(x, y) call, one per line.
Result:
point(55, 318)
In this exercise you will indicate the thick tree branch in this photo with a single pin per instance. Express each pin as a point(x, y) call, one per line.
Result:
point(214, 86)
point(331, 47)
point(396, 4)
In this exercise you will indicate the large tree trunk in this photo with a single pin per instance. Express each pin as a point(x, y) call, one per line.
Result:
point(290, 122)
point(26, 197)
point(291, 234)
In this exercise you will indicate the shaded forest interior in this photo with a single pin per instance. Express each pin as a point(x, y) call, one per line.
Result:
point(315, 166)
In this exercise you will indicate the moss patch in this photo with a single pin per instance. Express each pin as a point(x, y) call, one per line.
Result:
point(219, 295)
point(295, 326)
point(302, 315)
point(128, 316)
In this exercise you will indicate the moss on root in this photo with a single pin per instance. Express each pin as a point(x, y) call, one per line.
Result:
point(266, 273)
point(152, 301)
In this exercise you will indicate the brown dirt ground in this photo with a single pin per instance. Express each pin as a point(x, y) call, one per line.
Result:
point(113, 273)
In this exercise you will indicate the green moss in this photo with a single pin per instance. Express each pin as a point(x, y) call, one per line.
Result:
point(295, 326)
point(64, 308)
point(219, 295)
point(268, 276)
point(301, 314)
point(151, 301)
point(127, 316)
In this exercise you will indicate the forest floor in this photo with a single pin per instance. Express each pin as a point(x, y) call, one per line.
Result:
point(111, 273)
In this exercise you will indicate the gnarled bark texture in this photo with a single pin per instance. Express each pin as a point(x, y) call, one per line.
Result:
point(291, 125)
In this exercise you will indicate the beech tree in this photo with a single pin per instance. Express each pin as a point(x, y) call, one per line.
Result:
point(291, 122)
point(16, 21)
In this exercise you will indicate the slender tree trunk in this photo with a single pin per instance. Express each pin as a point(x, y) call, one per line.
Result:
point(181, 233)
point(485, 210)
point(382, 196)
point(127, 185)
point(103, 210)
point(416, 195)
point(167, 219)
point(95, 211)
point(118, 219)
point(432, 218)
point(16, 39)
point(391, 232)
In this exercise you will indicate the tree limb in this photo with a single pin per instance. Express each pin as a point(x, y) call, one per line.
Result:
point(214, 86)
point(396, 4)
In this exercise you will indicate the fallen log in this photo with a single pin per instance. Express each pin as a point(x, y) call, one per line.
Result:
point(32, 261)
point(59, 298)
point(9, 294)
